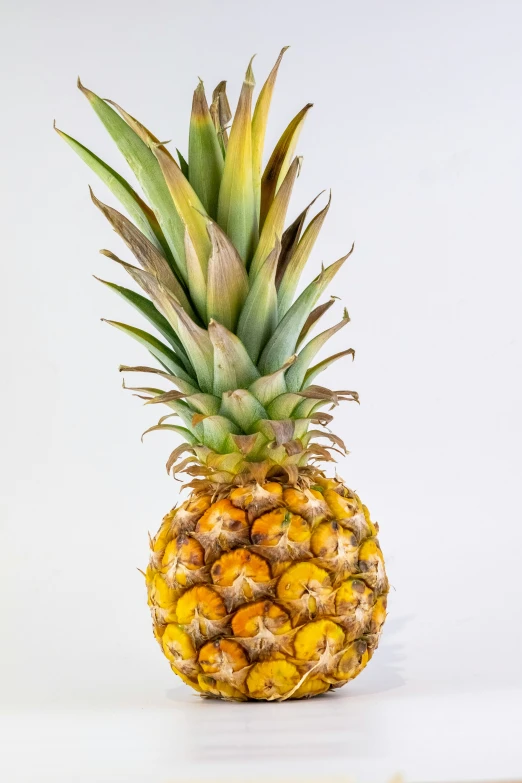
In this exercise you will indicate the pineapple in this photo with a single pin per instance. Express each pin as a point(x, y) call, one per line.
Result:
point(267, 582)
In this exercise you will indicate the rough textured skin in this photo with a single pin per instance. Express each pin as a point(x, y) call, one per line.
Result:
point(268, 591)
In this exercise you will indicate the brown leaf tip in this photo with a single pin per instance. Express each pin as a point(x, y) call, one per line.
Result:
point(199, 102)
point(249, 76)
point(81, 87)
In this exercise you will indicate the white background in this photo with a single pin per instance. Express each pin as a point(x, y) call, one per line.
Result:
point(417, 127)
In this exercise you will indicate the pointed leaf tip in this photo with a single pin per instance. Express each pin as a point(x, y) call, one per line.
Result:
point(285, 337)
point(88, 93)
point(296, 262)
point(280, 159)
point(128, 135)
point(199, 97)
point(236, 212)
point(221, 114)
point(205, 156)
point(259, 123)
point(249, 75)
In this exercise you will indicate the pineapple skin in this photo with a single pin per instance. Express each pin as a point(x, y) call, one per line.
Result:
point(268, 591)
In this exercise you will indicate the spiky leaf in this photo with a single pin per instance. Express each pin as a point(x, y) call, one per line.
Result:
point(290, 239)
point(283, 341)
point(314, 316)
point(182, 164)
point(153, 315)
point(279, 162)
point(259, 123)
point(184, 386)
point(195, 340)
point(242, 408)
point(296, 374)
point(268, 387)
point(147, 171)
point(216, 430)
point(227, 281)
point(207, 404)
point(233, 368)
point(138, 210)
point(159, 350)
point(205, 154)
point(236, 207)
point(321, 366)
point(221, 114)
point(298, 260)
point(186, 202)
point(197, 278)
point(259, 315)
point(275, 221)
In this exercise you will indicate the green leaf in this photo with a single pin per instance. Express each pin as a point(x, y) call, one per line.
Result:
point(216, 430)
point(268, 387)
point(204, 403)
point(308, 406)
point(139, 129)
point(227, 280)
point(221, 114)
point(259, 123)
point(298, 260)
point(281, 430)
point(186, 202)
point(153, 315)
point(184, 386)
point(138, 210)
point(147, 390)
point(189, 437)
point(183, 164)
point(275, 220)
point(152, 288)
point(197, 283)
point(159, 350)
point(195, 340)
point(251, 446)
point(186, 415)
point(233, 368)
point(236, 208)
point(283, 406)
point(166, 397)
point(242, 408)
point(283, 341)
point(258, 317)
point(279, 162)
point(144, 251)
point(296, 374)
point(148, 173)
point(289, 241)
point(318, 368)
point(205, 154)
point(226, 463)
point(314, 316)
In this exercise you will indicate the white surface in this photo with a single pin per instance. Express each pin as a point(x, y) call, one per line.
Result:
point(359, 738)
point(417, 127)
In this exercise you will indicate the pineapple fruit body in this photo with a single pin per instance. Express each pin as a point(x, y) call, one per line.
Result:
point(268, 591)
point(268, 582)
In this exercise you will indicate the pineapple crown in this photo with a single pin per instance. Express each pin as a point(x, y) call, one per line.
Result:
point(220, 272)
